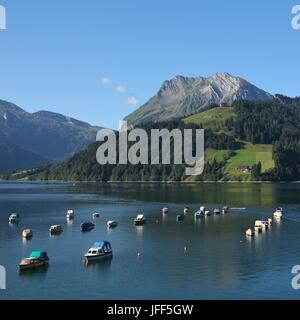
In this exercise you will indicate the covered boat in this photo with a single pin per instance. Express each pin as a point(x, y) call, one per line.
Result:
point(27, 234)
point(87, 226)
point(165, 210)
point(95, 215)
point(100, 250)
point(112, 223)
point(278, 213)
point(217, 211)
point(70, 214)
point(258, 226)
point(249, 233)
point(198, 214)
point(36, 259)
point(180, 217)
point(140, 219)
point(14, 218)
point(55, 229)
point(186, 210)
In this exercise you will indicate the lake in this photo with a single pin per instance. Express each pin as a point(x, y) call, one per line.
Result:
point(219, 261)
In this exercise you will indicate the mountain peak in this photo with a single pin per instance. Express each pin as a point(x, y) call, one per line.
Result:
point(182, 96)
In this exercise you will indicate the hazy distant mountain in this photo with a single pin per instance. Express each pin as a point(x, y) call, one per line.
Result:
point(41, 137)
point(182, 96)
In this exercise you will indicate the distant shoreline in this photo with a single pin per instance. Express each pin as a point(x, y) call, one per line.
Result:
point(145, 182)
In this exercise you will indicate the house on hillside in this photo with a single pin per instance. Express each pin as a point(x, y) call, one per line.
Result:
point(244, 169)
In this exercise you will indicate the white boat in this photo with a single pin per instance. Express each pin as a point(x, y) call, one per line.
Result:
point(27, 233)
point(186, 210)
point(55, 229)
point(96, 215)
point(140, 219)
point(14, 218)
point(278, 214)
point(99, 251)
point(70, 214)
point(270, 221)
point(258, 226)
point(249, 233)
point(198, 214)
point(165, 210)
point(112, 224)
point(265, 224)
point(207, 213)
point(217, 211)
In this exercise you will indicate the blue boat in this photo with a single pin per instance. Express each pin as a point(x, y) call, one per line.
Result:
point(87, 226)
point(180, 217)
point(100, 250)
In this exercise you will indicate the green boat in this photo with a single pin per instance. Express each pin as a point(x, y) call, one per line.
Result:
point(37, 259)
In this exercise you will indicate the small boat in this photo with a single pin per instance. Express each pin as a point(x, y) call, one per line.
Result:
point(198, 214)
point(258, 226)
point(112, 223)
point(180, 217)
point(270, 222)
point(249, 233)
point(165, 210)
point(225, 208)
point(140, 219)
point(207, 213)
point(14, 218)
point(265, 224)
point(278, 213)
point(217, 211)
point(87, 226)
point(55, 229)
point(37, 259)
point(186, 210)
point(96, 215)
point(27, 234)
point(70, 214)
point(100, 250)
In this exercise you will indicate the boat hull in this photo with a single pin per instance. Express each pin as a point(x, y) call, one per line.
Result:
point(98, 257)
point(139, 222)
point(40, 264)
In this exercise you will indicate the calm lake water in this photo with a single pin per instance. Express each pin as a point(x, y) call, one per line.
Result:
point(219, 263)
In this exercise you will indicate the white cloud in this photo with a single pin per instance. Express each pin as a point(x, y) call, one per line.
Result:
point(121, 89)
point(132, 101)
point(105, 81)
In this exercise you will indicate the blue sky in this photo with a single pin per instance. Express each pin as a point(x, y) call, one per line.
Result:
point(54, 54)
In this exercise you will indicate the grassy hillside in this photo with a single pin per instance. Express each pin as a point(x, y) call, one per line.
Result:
point(249, 155)
point(214, 118)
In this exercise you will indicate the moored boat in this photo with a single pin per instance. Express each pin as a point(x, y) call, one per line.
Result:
point(36, 259)
point(186, 210)
point(99, 251)
point(112, 223)
point(14, 218)
point(217, 211)
point(95, 215)
point(70, 214)
point(55, 229)
point(258, 226)
point(180, 217)
point(87, 226)
point(198, 214)
point(27, 234)
point(225, 208)
point(140, 219)
point(249, 233)
point(165, 210)
point(278, 213)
